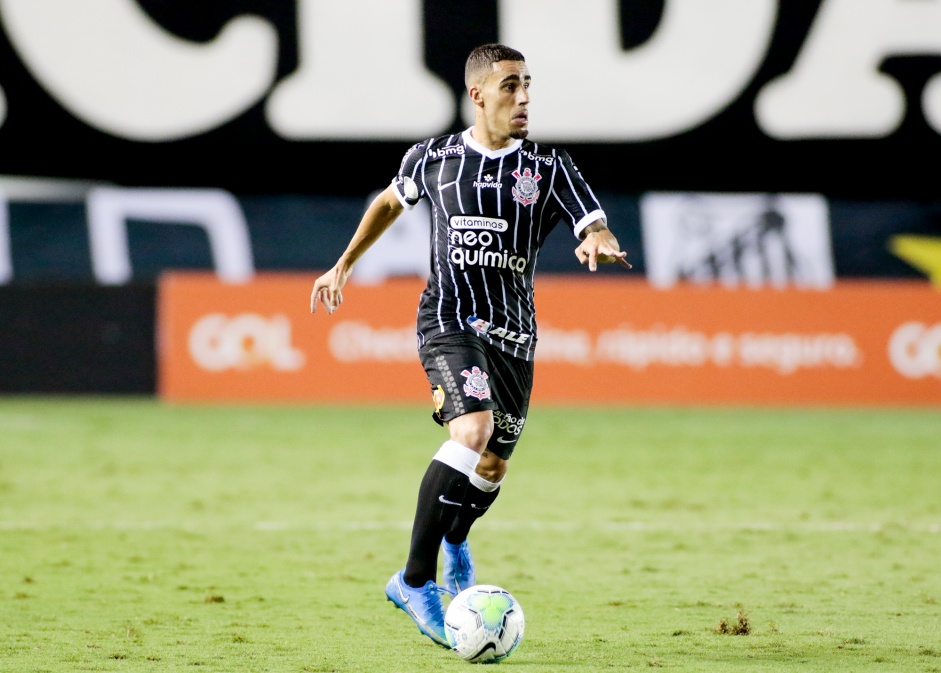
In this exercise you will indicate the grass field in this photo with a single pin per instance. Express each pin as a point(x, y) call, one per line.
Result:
point(138, 536)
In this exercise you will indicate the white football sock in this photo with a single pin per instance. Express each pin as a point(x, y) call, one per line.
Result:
point(486, 486)
point(458, 456)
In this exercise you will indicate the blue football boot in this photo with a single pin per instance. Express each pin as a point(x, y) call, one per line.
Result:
point(422, 604)
point(459, 571)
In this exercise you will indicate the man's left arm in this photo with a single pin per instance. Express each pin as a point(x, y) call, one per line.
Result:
point(599, 246)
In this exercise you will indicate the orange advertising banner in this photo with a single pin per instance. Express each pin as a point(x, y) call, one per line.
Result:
point(601, 340)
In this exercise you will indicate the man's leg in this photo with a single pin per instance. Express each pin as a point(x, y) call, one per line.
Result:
point(512, 398)
point(484, 487)
point(440, 496)
point(483, 490)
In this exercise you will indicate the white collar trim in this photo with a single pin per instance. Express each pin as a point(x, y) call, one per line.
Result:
point(490, 154)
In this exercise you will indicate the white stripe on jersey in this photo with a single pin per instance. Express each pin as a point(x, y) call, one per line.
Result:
point(480, 208)
point(451, 269)
point(516, 227)
point(436, 257)
point(480, 175)
point(538, 235)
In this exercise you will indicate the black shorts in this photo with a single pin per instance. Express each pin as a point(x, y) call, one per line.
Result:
point(468, 374)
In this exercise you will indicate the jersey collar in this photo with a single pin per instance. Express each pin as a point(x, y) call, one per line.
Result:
point(490, 154)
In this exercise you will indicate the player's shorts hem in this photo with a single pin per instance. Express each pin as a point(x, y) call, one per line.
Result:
point(467, 375)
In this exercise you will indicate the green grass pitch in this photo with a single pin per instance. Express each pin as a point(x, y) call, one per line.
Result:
point(141, 536)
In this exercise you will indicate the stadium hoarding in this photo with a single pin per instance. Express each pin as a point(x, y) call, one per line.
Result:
point(77, 339)
point(62, 231)
point(865, 342)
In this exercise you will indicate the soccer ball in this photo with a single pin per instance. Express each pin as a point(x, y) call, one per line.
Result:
point(484, 624)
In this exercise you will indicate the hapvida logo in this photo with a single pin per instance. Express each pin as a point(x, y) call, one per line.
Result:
point(488, 183)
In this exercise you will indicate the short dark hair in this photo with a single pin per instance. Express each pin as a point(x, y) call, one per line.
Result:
point(481, 60)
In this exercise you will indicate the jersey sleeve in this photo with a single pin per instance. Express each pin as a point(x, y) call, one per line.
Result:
point(576, 202)
point(409, 185)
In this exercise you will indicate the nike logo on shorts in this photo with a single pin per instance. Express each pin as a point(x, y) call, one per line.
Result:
point(441, 498)
point(501, 440)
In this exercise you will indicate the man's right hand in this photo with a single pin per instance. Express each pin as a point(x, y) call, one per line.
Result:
point(328, 289)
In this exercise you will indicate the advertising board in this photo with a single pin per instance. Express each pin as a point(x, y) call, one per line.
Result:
point(601, 341)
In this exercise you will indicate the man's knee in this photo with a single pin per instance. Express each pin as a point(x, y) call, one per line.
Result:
point(473, 430)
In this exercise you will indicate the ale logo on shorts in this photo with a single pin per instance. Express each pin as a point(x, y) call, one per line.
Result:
point(476, 384)
point(526, 190)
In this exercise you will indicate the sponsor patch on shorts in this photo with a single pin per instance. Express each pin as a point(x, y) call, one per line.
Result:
point(438, 397)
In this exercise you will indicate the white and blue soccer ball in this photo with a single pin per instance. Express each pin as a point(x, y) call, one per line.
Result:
point(484, 624)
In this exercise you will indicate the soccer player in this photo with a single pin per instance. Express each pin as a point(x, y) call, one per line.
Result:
point(495, 196)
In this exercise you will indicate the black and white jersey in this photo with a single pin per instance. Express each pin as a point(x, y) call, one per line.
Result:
point(491, 212)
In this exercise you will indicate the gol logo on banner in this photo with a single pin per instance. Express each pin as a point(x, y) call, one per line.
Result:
point(245, 341)
point(915, 350)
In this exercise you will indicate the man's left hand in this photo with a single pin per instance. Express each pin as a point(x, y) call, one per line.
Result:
point(601, 247)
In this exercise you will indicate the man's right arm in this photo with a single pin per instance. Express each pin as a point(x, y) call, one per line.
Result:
point(379, 216)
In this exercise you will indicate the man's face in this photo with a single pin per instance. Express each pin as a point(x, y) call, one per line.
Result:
point(505, 94)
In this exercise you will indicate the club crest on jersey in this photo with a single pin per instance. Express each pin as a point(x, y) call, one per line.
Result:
point(476, 384)
point(526, 190)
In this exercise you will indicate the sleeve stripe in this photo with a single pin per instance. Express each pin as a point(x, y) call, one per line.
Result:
point(401, 198)
point(583, 223)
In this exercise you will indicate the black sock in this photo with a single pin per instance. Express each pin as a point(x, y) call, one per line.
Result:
point(440, 497)
point(476, 504)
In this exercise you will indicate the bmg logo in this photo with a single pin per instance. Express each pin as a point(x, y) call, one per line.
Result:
point(915, 350)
